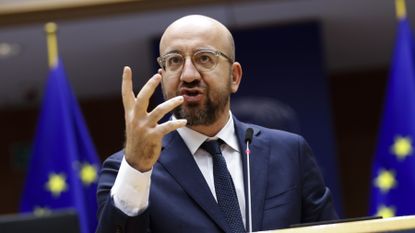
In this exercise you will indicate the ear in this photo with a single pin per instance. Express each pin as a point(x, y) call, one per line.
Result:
point(236, 76)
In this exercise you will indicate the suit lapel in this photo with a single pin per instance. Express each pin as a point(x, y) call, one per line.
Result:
point(259, 170)
point(179, 162)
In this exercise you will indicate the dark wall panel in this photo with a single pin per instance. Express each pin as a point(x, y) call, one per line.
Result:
point(286, 62)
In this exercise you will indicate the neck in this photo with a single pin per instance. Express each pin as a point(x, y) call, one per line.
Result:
point(214, 128)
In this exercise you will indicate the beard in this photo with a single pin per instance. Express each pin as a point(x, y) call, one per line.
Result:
point(202, 114)
point(207, 112)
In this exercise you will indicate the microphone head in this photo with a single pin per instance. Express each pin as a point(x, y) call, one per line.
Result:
point(248, 135)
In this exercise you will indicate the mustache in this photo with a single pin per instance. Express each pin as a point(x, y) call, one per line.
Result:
point(193, 84)
point(193, 87)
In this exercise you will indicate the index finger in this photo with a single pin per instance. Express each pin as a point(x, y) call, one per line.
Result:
point(143, 97)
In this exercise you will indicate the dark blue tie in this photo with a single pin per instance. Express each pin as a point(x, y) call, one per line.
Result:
point(225, 190)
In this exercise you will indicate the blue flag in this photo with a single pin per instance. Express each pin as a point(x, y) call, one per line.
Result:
point(393, 173)
point(63, 167)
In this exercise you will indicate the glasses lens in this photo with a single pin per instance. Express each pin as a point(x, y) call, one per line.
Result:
point(205, 60)
point(173, 62)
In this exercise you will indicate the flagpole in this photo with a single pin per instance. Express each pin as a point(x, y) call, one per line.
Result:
point(400, 9)
point(52, 42)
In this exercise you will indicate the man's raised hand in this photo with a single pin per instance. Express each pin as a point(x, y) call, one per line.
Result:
point(143, 133)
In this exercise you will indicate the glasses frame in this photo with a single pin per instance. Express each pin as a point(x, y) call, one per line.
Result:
point(162, 59)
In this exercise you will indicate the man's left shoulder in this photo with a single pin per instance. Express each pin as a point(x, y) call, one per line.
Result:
point(273, 134)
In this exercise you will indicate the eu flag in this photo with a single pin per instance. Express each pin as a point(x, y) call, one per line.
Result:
point(393, 174)
point(64, 164)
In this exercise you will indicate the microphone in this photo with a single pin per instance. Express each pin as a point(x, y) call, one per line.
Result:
point(248, 139)
point(248, 135)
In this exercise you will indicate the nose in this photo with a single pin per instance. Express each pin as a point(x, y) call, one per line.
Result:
point(189, 72)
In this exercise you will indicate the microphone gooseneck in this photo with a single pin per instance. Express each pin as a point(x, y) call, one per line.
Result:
point(248, 140)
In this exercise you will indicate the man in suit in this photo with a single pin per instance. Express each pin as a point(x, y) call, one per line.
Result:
point(166, 178)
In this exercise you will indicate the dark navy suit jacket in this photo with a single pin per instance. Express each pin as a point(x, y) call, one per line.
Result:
point(287, 188)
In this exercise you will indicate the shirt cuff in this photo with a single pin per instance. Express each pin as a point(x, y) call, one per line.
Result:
point(131, 189)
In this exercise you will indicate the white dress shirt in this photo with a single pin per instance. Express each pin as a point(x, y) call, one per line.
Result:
point(132, 188)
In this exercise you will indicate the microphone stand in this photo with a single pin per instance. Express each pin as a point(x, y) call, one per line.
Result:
point(248, 139)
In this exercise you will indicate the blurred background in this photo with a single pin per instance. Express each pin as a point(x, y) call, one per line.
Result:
point(326, 61)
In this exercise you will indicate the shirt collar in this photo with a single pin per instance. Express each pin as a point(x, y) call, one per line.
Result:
point(194, 139)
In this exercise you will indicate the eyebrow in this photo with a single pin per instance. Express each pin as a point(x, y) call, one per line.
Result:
point(170, 52)
point(180, 52)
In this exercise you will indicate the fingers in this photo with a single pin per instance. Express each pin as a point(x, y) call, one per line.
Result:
point(148, 89)
point(143, 97)
point(172, 125)
point(164, 108)
point(127, 93)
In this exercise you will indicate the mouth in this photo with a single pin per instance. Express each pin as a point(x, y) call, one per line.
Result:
point(191, 96)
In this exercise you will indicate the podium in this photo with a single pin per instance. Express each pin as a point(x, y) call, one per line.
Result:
point(396, 224)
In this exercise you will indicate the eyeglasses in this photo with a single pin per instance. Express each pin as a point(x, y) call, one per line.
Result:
point(204, 60)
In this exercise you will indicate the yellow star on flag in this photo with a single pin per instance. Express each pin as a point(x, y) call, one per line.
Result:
point(385, 211)
point(56, 184)
point(385, 180)
point(88, 174)
point(40, 211)
point(402, 147)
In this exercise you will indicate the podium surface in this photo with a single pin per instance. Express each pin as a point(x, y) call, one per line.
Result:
point(396, 224)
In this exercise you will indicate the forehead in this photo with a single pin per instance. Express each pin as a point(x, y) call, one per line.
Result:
point(191, 36)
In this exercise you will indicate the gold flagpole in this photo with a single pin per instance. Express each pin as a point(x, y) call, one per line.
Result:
point(400, 9)
point(52, 42)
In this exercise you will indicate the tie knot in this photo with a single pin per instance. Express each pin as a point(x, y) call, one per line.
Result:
point(213, 146)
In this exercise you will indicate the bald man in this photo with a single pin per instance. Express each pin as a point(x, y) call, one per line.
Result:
point(165, 179)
